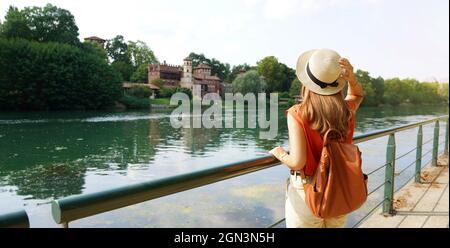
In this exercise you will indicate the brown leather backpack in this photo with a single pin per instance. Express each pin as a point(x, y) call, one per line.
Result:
point(338, 186)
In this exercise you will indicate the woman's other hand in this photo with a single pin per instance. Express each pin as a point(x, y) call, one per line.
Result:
point(278, 152)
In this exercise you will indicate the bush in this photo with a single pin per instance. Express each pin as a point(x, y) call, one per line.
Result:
point(296, 87)
point(283, 94)
point(168, 92)
point(291, 102)
point(140, 92)
point(184, 90)
point(132, 102)
point(54, 76)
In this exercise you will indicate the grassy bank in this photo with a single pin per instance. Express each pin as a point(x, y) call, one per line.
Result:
point(132, 102)
point(160, 101)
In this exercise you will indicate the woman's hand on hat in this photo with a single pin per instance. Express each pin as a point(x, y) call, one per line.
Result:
point(347, 70)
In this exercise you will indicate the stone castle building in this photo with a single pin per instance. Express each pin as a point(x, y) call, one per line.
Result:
point(185, 76)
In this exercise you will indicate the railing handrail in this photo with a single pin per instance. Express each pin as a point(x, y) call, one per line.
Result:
point(18, 219)
point(81, 206)
point(385, 132)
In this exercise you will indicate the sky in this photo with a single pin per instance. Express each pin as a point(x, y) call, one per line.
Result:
point(388, 38)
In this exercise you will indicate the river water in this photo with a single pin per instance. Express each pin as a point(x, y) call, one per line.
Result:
point(46, 156)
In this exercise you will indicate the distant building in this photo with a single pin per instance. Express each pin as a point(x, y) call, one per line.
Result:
point(170, 74)
point(185, 76)
point(96, 39)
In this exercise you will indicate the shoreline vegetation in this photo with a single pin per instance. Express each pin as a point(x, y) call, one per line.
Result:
point(45, 67)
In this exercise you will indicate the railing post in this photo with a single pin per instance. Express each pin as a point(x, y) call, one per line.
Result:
point(446, 139)
point(419, 154)
point(435, 144)
point(388, 208)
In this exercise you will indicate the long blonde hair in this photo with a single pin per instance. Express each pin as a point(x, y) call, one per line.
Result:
point(325, 112)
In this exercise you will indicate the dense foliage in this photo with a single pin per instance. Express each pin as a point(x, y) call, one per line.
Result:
point(277, 75)
point(168, 92)
point(296, 87)
point(130, 58)
point(250, 82)
point(43, 24)
point(235, 72)
point(411, 91)
point(51, 76)
point(140, 92)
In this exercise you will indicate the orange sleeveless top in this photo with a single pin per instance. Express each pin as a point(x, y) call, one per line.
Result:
point(314, 141)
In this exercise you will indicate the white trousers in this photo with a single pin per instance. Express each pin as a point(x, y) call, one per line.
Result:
point(298, 214)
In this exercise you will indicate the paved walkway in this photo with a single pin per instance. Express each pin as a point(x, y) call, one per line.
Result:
point(419, 205)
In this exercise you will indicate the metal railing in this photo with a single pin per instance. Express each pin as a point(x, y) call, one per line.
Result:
point(17, 219)
point(76, 207)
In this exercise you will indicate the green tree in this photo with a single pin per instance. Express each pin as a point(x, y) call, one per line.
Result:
point(269, 68)
point(443, 92)
point(125, 69)
point(412, 91)
point(288, 76)
point(15, 25)
point(378, 85)
point(117, 49)
point(94, 48)
point(296, 86)
point(250, 82)
point(394, 92)
point(140, 75)
point(365, 80)
point(51, 23)
point(430, 93)
point(278, 76)
point(45, 24)
point(140, 54)
point(236, 70)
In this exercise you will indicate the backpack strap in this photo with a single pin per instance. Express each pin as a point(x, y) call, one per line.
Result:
point(326, 136)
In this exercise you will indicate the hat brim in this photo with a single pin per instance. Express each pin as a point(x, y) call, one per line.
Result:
point(308, 83)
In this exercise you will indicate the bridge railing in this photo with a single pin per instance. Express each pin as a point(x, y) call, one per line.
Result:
point(17, 219)
point(77, 207)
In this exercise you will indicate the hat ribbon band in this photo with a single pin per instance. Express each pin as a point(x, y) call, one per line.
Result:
point(318, 82)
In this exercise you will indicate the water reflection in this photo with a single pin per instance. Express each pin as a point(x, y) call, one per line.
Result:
point(47, 156)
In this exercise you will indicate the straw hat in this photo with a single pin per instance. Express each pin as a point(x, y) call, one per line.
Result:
point(319, 71)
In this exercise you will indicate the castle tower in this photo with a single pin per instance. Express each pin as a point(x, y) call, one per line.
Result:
point(186, 79)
